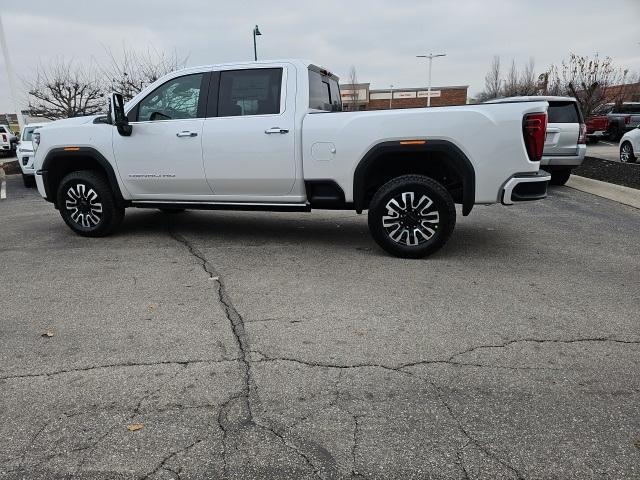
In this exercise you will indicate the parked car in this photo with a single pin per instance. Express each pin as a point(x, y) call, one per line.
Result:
point(598, 124)
point(623, 118)
point(272, 136)
point(8, 140)
point(630, 146)
point(24, 152)
point(566, 143)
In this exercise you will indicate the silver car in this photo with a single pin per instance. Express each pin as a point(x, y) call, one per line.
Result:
point(566, 142)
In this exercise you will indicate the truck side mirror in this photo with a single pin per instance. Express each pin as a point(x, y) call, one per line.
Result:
point(117, 115)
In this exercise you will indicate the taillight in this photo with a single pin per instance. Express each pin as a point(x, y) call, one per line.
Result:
point(534, 131)
point(582, 138)
point(4, 137)
point(627, 119)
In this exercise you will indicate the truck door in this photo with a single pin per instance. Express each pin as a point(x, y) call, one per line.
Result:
point(248, 139)
point(162, 159)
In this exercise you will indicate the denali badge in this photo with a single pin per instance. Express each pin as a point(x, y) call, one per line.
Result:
point(151, 175)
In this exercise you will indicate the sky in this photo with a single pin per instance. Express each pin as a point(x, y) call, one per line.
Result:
point(381, 38)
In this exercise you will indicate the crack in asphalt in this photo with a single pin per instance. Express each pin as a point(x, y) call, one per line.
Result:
point(545, 340)
point(450, 360)
point(356, 432)
point(240, 335)
point(470, 438)
point(162, 464)
point(246, 417)
point(116, 365)
point(399, 368)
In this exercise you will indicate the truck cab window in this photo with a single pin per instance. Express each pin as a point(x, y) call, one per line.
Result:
point(249, 92)
point(324, 92)
point(177, 99)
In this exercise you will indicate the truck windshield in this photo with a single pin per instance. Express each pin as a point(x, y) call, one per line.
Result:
point(28, 133)
point(324, 92)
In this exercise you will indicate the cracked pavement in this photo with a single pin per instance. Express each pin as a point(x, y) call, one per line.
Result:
point(270, 345)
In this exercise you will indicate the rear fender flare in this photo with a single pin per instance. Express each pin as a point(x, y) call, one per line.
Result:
point(458, 161)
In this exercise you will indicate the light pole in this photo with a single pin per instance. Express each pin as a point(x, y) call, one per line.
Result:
point(10, 77)
point(431, 56)
point(256, 32)
point(390, 96)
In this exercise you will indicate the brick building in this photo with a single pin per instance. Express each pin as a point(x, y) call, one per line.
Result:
point(629, 92)
point(361, 97)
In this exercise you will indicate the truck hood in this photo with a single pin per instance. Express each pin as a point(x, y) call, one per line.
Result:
point(68, 122)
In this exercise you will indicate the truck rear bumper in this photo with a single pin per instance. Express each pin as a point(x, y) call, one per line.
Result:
point(523, 188)
point(564, 160)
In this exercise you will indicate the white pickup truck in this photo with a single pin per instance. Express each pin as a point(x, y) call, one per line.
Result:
point(272, 136)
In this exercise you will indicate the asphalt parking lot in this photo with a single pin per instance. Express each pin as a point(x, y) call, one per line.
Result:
point(269, 345)
point(604, 149)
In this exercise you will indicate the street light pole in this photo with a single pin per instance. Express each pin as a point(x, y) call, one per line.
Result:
point(10, 77)
point(431, 56)
point(256, 31)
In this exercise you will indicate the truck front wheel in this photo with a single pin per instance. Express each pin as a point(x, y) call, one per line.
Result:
point(411, 216)
point(87, 204)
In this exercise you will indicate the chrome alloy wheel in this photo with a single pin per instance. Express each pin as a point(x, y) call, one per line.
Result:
point(409, 222)
point(626, 153)
point(83, 205)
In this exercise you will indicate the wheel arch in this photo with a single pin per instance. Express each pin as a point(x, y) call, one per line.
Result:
point(61, 161)
point(417, 157)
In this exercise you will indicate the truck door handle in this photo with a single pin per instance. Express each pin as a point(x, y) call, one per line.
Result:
point(271, 130)
point(184, 133)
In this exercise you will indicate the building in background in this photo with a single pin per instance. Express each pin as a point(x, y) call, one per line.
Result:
point(11, 119)
point(629, 92)
point(361, 97)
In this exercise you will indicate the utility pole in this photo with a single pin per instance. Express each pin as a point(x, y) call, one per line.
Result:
point(10, 77)
point(431, 56)
point(256, 31)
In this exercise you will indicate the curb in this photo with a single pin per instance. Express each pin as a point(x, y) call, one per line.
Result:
point(617, 193)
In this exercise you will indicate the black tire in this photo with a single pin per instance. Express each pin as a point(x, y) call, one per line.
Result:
point(560, 177)
point(85, 196)
point(29, 180)
point(627, 154)
point(429, 227)
point(171, 211)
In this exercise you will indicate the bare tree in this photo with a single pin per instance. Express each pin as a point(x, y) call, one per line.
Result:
point(353, 81)
point(64, 89)
point(511, 83)
point(527, 82)
point(492, 81)
point(589, 80)
point(131, 71)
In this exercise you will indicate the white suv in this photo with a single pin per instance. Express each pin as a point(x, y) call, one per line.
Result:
point(566, 142)
point(24, 152)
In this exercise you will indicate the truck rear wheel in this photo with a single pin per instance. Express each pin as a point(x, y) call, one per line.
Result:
point(411, 216)
point(87, 204)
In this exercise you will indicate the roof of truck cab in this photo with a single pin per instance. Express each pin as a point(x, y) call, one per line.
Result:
point(297, 61)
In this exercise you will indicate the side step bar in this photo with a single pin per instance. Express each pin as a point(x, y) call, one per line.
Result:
point(264, 207)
